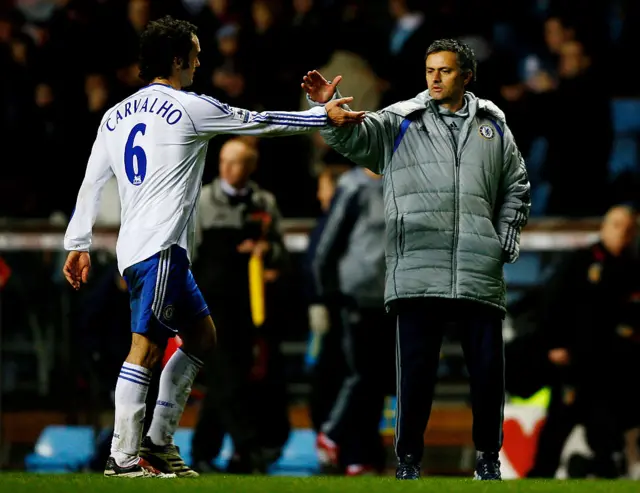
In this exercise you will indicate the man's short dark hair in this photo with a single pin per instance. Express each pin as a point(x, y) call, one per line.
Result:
point(466, 56)
point(161, 43)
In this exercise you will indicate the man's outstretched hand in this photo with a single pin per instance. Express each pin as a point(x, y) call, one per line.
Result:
point(76, 268)
point(339, 117)
point(317, 87)
point(321, 91)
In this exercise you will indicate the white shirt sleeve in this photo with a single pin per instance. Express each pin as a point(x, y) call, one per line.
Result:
point(78, 235)
point(211, 117)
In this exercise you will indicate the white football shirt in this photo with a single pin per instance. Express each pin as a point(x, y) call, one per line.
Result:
point(155, 143)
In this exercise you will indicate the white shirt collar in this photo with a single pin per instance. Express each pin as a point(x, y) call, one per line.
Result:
point(234, 192)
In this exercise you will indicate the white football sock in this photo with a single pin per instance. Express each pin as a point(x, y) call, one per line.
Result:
point(130, 397)
point(175, 386)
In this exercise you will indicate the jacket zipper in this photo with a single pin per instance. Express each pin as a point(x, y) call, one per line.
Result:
point(456, 202)
point(401, 235)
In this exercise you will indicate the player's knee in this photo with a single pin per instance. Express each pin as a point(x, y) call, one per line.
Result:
point(144, 352)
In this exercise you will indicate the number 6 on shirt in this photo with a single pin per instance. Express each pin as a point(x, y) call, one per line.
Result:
point(136, 170)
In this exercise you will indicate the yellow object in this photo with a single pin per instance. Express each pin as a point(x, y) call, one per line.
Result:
point(256, 289)
point(539, 399)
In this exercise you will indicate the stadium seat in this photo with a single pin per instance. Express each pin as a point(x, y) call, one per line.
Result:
point(299, 457)
point(624, 156)
point(626, 116)
point(62, 449)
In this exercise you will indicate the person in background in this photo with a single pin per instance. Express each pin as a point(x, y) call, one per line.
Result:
point(324, 354)
point(349, 270)
point(238, 221)
point(584, 303)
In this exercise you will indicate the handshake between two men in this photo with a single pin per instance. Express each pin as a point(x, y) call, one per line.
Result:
point(321, 91)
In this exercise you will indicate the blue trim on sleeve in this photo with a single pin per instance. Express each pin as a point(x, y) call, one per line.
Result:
point(495, 124)
point(403, 129)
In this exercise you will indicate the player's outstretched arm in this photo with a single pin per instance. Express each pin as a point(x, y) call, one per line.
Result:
point(211, 117)
point(369, 144)
point(77, 238)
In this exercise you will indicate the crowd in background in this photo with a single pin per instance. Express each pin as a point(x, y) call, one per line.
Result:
point(66, 61)
point(553, 69)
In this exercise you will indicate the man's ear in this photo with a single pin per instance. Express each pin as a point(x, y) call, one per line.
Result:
point(468, 78)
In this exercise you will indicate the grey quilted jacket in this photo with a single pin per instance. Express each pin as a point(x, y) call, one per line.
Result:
point(453, 213)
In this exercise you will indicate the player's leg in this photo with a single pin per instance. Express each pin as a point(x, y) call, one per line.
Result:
point(419, 333)
point(483, 348)
point(130, 404)
point(199, 337)
point(148, 340)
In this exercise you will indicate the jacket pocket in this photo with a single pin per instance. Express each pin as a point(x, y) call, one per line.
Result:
point(401, 236)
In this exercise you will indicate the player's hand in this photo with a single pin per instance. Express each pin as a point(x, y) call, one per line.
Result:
point(317, 87)
point(559, 356)
point(76, 268)
point(339, 117)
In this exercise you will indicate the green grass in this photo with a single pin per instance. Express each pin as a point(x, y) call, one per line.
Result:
point(95, 483)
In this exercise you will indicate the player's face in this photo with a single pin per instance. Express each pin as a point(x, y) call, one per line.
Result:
point(234, 167)
point(618, 230)
point(186, 75)
point(444, 79)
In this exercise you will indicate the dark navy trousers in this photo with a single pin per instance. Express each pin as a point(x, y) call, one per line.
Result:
point(421, 325)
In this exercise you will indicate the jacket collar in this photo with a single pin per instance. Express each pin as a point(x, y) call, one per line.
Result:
point(219, 195)
point(424, 101)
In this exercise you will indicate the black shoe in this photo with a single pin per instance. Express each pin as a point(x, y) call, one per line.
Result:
point(408, 468)
point(166, 458)
point(488, 467)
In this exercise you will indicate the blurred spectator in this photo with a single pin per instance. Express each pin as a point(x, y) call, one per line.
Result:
point(237, 220)
point(325, 355)
point(259, 63)
point(582, 307)
point(229, 84)
point(349, 270)
point(407, 40)
point(575, 167)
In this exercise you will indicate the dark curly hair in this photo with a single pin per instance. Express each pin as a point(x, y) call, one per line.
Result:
point(161, 43)
point(464, 53)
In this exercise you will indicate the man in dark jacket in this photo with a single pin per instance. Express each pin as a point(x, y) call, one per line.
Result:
point(237, 221)
point(349, 269)
point(584, 304)
point(325, 357)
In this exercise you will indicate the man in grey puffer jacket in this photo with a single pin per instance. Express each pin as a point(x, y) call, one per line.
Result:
point(456, 197)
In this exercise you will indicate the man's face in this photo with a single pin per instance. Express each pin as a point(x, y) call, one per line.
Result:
point(444, 79)
point(618, 230)
point(234, 164)
point(572, 60)
point(187, 74)
point(555, 34)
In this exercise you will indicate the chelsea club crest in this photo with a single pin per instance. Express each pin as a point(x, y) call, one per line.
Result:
point(168, 312)
point(486, 131)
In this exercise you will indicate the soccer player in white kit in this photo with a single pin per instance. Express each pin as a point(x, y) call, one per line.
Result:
point(155, 143)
